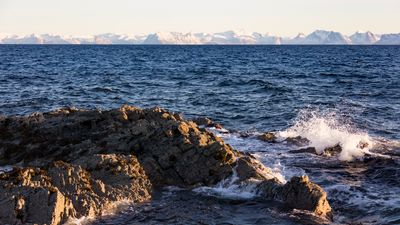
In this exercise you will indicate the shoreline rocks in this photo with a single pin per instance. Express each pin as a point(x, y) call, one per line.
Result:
point(73, 163)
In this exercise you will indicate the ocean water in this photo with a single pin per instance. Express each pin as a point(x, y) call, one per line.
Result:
point(346, 95)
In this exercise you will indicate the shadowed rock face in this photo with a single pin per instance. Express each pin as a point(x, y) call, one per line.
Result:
point(62, 190)
point(73, 163)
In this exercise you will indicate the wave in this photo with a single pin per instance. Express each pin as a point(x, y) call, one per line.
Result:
point(113, 209)
point(5, 169)
point(325, 130)
point(230, 188)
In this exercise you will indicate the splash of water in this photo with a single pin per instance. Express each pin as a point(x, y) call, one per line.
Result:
point(324, 130)
point(230, 188)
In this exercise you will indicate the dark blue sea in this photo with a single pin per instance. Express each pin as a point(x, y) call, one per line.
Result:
point(343, 95)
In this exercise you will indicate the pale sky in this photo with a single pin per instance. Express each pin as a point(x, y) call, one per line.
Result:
point(278, 17)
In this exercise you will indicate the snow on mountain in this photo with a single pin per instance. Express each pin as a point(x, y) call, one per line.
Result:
point(29, 39)
point(389, 39)
point(221, 38)
point(53, 39)
point(171, 38)
point(231, 38)
point(336, 38)
point(318, 37)
point(266, 39)
point(57, 39)
point(299, 39)
point(366, 38)
point(322, 37)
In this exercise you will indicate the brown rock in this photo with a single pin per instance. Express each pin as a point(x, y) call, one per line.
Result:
point(250, 168)
point(311, 150)
point(203, 121)
point(334, 150)
point(86, 188)
point(267, 137)
point(74, 163)
point(30, 204)
point(207, 122)
point(297, 141)
point(300, 193)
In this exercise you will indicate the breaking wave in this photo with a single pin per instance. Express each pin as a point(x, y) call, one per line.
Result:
point(230, 188)
point(326, 129)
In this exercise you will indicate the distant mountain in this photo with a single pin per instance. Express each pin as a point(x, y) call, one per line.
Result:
point(336, 38)
point(299, 39)
point(389, 39)
point(366, 38)
point(57, 39)
point(171, 38)
point(222, 38)
point(318, 37)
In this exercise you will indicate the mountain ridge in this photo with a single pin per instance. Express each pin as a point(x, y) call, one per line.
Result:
point(318, 37)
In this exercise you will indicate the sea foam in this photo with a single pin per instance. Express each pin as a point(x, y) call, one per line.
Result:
point(324, 130)
point(230, 188)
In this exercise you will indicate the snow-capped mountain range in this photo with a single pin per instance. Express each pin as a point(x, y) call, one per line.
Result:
point(318, 37)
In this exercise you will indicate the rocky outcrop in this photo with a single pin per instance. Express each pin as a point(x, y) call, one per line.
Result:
point(298, 193)
point(207, 122)
point(73, 163)
point(52, 194)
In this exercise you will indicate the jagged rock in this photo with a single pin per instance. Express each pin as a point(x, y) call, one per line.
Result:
point(297, 141)
point(334, 150)
point(267, 137)
point(63, 190)
point(298, 193)
point(311, 150)
point(158, 139)
point(75, 162)
point(32, 205)
point(207, 122)
point(329, 151)
point(249, 168)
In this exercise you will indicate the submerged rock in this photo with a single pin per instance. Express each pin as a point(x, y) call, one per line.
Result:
point(267, 137)
point(334, 150)
point(311, 150)
point(73, 163)
point(297, 141)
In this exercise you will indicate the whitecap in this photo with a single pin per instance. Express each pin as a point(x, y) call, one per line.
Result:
point(323, 130)
point(230, 188)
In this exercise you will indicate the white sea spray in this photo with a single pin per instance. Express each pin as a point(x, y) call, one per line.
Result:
point(323, 130)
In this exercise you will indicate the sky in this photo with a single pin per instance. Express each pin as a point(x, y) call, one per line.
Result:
point(277, 17)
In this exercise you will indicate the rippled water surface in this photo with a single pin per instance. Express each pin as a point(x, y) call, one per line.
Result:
point(328, 94)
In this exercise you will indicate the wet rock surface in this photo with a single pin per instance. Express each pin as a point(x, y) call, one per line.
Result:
point(73, 163)
point(267, 137)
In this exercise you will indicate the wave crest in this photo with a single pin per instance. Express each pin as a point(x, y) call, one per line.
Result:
point(325, 129)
